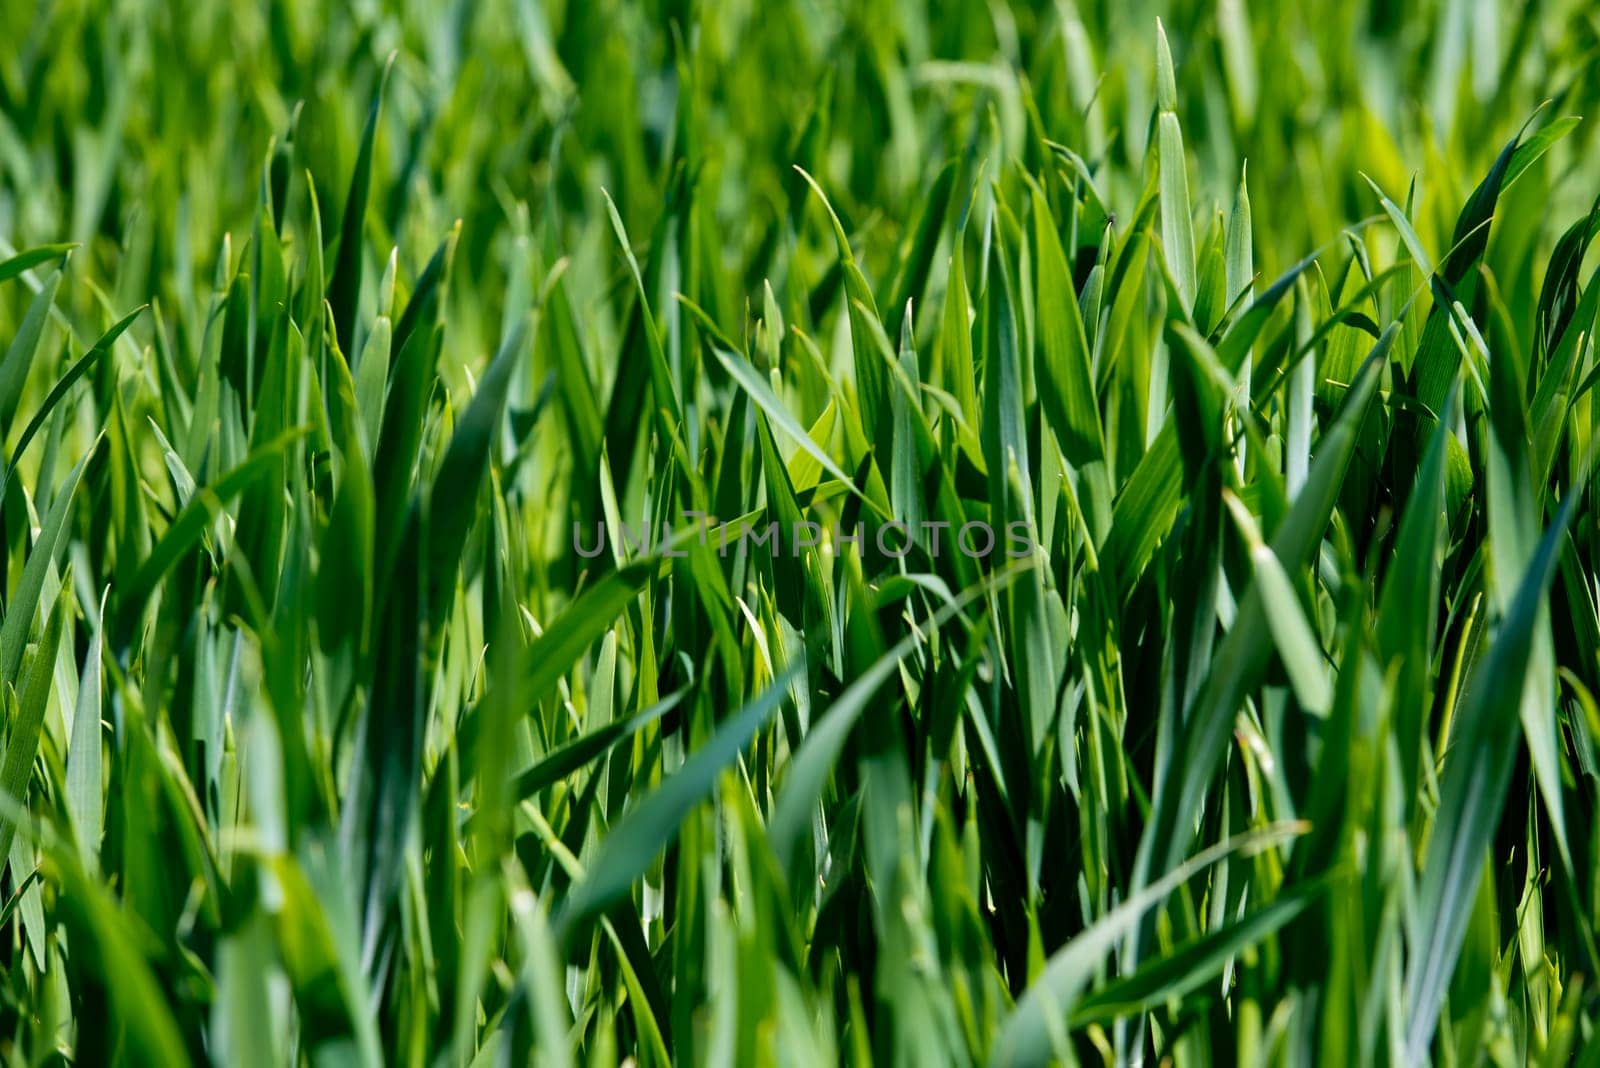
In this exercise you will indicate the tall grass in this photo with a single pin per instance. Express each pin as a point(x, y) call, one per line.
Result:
point(334, 338)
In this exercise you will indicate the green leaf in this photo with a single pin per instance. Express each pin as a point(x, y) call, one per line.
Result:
point(1175, 975)
point(344, 286)
point(555, 651)
point(1177, 225)
point(84, 788)
point(1240, 658)
point(22, 739)
point(1065, 386)
point(59, 390)
point(24, 345)
point(582, 750)
point(647, 829)
point(761, 392)
point(1035, 1030)
point(808, 772)
point(102, 935)
point(187, 528)
point(462, 472)
point(52, 539)
point(31, 258)
point(1472, 790)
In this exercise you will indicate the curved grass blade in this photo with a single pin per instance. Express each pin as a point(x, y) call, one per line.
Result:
point(104, 946)
point(1177, 225)
point(25, 599)
point(1066, 388)
point(24, 345)
point(1186, 967)
point(633, 843)
point(31, 258)
point(22, 739)
point(808, 773)
point(580, 751)
point(344, 287)
point(1036, 1027)
point(1241, 656)
point(1477, 773)
point(59, 390)
point(462, 471)
point(582, 622)
point(190, 524)
point(84, 788)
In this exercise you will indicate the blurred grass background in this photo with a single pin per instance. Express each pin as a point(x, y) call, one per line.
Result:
point(142, 129)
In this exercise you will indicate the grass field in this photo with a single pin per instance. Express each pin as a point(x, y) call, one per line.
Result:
point(334, 341)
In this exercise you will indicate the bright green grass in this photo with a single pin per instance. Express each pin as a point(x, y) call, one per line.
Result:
point(322, 329)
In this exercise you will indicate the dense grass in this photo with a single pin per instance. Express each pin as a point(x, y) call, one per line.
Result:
point(323, 331)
